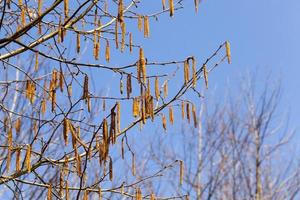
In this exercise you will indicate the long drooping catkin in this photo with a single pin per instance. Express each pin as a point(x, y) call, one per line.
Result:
point(67, 190)
point(181, 172)
point(171, 115)
point(36, 65)
point(136, 107)
point(66, 129)
point(28, 158)
point(66, 9)
point(205, 74)
point(110, 169)
point(143, 64)
point(228, 52)
point(146, 27)
point(85, 87)
point(194, 71)
point(188, 112)
point(156, 87)
point(120, 11)
point(123, 28)
point(128, 85)
point(130, 42)
point(49, 195)
point(171, 5)
point(105, 130)
point(117, 34)
point(18, 125)
point(61, 79)
point(107, 51)
point(10, 147)
point(194, 116)
point(186, 72)
point(78, 42)
point(53, 98)
point(166, 89)
point(18, 159)
point(100, 193)
point(164, 122)
point(133, 169)
point(182, 110)
point(163, 2)
point(140, 19)
point(138, 194)
point(118, 117)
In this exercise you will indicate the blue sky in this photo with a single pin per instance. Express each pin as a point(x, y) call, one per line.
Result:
point(264, 37)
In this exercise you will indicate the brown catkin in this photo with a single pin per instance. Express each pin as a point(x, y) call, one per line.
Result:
point(43, 106)
point(120, 11)
point(188, 112)
point(130, 42)
point(228, 52)
point(10, 147)
point(133, 169)
point(66, 128)
point(85, 87)
point(69, 91)
point(36, 65)
point(118, 117)
point(171, 115)
point(156, 88)
point(146, 27)
point(139, 194)
point(181, 172)
point(163, 2)
point(143, 65)
point(166, 89)
point(28, 158)
point(140, 19)
point(182, 110)
point(49, 195)
point(107, 51)
point(110, 169)
point(100, 193)
point(122, 148)
point(196, 2)
point(61, 79)
point(164, 122)
point(171, 5)
point(123, 28)
point(205, 74)
point(67, 190)
point(194, 72)
point(18, 159)
point(135, 107)
point(186, 72)
point(105, 131)
point(128, 85)
point(78, 42)
point(117, 34)
point(23, 16)
point(59, 34)
point(53, 98)
point(85, 195)
point(66, 8)
point(194, 115)
point(18, 125)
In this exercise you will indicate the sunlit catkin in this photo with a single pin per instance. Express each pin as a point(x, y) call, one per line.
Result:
point(128, 85)
point(67, 190)
point(171, 5)
point(133, 169)
point(143, 65)
point(146, 27)
point(18, 159)
point(194, 71)
point(49, 195)
point(182, 110)
point(164, 122)
point(107, 51)
point(78, 42)
point(163, 2)
point(186, 72)
point(120, 11)
point(28, 158)
point(166, 89)
point(228, 52)
point(196, 2)
point(181, 172)
point(118, 117)
point(66, 9)
point(171, 115)
point(10, 147)
point(61, 80)
point(18, 125)
point(205, 75)
point(140, 19)
point(156, 88)
point(135, 107)
point(85, 195)
point(66, 128)
point(100, 193)
point(53, 100)
point(85, 87)
point(194, 116)
point(123, 28)
point(117, 34)
point(36, 65)
point(188, 112)
point(23, 16)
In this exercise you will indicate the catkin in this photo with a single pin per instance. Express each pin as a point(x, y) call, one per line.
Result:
point(186, 72)
point(118, 117)
point(100, 193)
point(128, 85)
point(171, 5)
point(117, 34)
point(171, 115)
point(120, 11)
point(53, 98)
point(133, 169)
point(228, 53)
point(163, 2)
point(205, 74)
point(166, 89)
point(85, 87)
point(36, 65)
point(182, 110)
point(135, 107)
point(23, 17)
point(140, 19)
point(18, 159)
point(67, 190)
point(146, 27)
point(143, 64)
point(49, 195)
point(196, 2)
point(28, 158)
point(194, 115)
point(107, 51)
point(130, 42)
point(194, 72)
point(10, 147)
point(66, 128)
point(181, 172)
point(122, 148)
point(110, 169)
point(188, 112)
point(78, 42)
point(123, 28)
point(18, 125)
point(164, 122)
point(85, 194)
point(66, 8)
point(105, 130)
point(156, 88)
point(61, 80)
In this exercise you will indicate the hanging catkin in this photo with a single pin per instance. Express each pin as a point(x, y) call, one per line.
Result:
point(156, 88)
point(85, 87)
point(100, 193)
point(228, 53)
point(133, 170)
point(182, 110)
point(123, 28)
point(166, 89)
point(205, 74)
point(23, 16)
point(118, 117)
point(120, 11)
point(18, 159)
point(66, 129)
point(196, 2)
point(136, 107)
point(194, 72)
point(163, 2)
point(130, 42)
point(53, 98)
point(110, 169)
point(186, 72)
point(10, 147)
point(107, 51)
point(105, 130)
point(143, 64)
point(146, 27)
point(188, 112)
point(117, 34)
point(66, 9)
point(194, 115)
point(171, 5)
point(128, 85)
point(171, 115)
point(18, 125)
point(28, 158)
point(49, 195)
point(67, 190)
point(122, 148)
point(164, 122)
point(61, 79)
point(181, 172)
point(36, 65)
point(140, 19)
point(85, 194)
point(78, 42)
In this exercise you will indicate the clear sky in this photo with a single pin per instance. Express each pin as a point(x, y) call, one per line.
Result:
point(264, 37)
